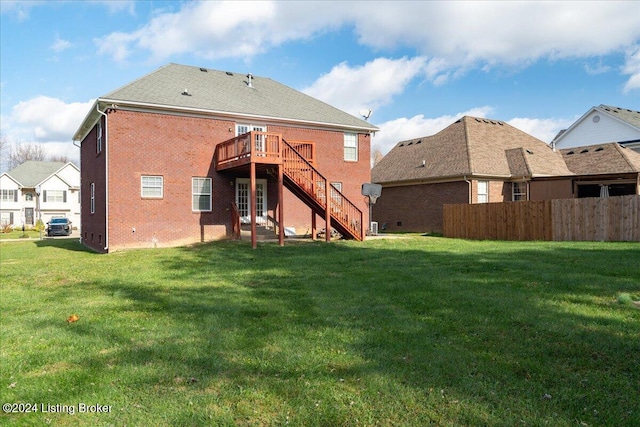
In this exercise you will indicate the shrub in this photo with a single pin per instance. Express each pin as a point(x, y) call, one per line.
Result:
point(7, 228)
point(39, 225)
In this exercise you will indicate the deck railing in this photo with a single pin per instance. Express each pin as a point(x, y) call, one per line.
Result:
point(257, 146)
point(314, 184)
point(298, 159)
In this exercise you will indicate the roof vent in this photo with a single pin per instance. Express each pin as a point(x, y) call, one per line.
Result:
point(570, 153)
point(419, 141)
point(204, 70)
point(186, 92)
point(529, 151)
point(229, 73)
point(599, 149)
point(249, 80)
point(584, 151)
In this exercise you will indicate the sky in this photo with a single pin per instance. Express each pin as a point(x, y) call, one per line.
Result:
point(418, 65)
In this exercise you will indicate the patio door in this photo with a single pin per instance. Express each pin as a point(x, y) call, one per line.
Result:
point(243, 200)
point(259, 144)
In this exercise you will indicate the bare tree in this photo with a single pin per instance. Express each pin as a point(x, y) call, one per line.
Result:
point(60, 158)
point(26, 151)
point(4, 153)
point(376, 155)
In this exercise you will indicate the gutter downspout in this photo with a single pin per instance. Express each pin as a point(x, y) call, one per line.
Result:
point(468, 182)
point(106, 177)
point(80, 164)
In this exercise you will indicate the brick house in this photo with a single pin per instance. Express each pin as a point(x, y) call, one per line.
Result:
point(473, 160)
point(40, 190)
point(603, 170)
point(188, 154)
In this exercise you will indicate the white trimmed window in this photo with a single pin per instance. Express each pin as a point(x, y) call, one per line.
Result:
point(152, 186)
point(93, 197)
point(54, 196)
point(351, 147)
point(99, 137)
point(201, 194)
point(519, 191)
point(336, 197)
point(9, 195)
point(483, 191)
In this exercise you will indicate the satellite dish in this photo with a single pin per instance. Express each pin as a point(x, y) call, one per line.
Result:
point(366, 113)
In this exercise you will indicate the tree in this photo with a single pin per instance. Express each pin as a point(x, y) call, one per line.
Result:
point(26, 151)
point(4, 153)
point(60, 158)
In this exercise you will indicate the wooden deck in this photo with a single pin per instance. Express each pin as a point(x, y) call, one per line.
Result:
point(293, 163)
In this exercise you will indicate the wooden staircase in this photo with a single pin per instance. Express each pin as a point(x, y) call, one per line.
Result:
point(265, 150)
point(310, 186)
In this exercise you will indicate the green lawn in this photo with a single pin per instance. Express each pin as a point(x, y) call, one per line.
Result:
point(412, 331)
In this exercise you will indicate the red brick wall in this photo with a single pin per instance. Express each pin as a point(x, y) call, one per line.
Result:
point(92, 170)
point(417, 208)
point(179, 148)
point(330, 162)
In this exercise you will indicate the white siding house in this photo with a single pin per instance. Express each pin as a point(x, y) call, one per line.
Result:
point(600, 125)
point(36, 190)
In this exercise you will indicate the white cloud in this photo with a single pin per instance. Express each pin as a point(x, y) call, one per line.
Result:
point(45, 119)
point(632, 68)
point(370, 86)
point(543, 129)
point(453, 36)
point(60, 45)
point(397, 130)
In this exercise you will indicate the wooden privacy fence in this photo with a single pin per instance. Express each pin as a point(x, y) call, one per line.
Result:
point(597, 219)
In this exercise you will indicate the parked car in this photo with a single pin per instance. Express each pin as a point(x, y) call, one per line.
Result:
point(59, 227)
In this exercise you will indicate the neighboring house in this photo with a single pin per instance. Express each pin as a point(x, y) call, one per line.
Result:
point(601, 125)
point(179, 155)
point(474, 160)
point(36, 190)
point(604, 170)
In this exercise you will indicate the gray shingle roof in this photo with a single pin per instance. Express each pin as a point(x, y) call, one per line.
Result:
point(470, 147)
point(190, 88)
point(630, 116)
point(610, 158)
point(31, 173)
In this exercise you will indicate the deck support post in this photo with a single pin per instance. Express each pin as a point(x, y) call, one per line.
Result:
point(253, 198)
point(327, 211)
point(314, 227)
point(281, 205)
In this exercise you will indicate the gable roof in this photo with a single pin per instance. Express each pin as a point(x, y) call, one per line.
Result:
point(625, 116)
point(31, 173)
point(611, 158)
point(470, 147)
point(207, 91)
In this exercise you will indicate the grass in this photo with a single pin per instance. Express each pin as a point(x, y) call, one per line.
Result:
point(19, 234)
point(410, 331)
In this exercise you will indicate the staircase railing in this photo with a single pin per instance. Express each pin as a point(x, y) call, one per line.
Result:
point(347, 216)
point(235, 221)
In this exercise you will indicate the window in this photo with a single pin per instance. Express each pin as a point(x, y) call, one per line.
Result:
point(336, 197)
point(201, 194)
point(93, 197)
point(351, 147)
point(54, 196)
point(519, 191)
point(9, 195)
point(6, 218)
point(99, 137)
point(152, 187)
point(28, 197)
point(483, 191)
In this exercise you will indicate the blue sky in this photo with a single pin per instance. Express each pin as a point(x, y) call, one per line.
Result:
point(418, 65)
